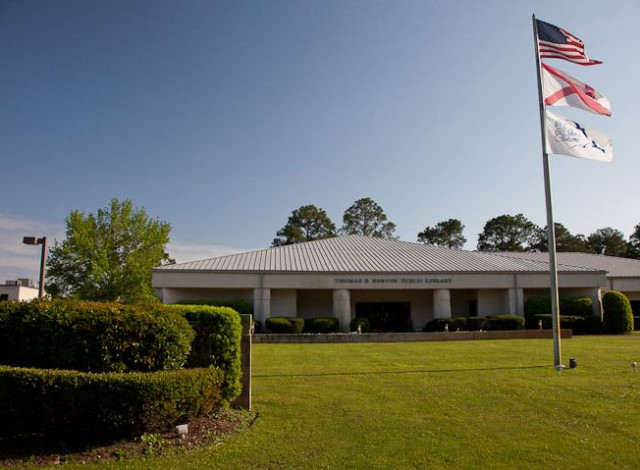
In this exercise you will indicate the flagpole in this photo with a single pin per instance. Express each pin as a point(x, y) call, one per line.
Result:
point(551, 231)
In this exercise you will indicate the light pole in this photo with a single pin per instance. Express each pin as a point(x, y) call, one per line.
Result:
point(39, 241)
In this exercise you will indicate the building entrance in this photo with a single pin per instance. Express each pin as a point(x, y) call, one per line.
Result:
point(386, 316)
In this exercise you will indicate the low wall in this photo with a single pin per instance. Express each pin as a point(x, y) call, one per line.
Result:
point(404, 337)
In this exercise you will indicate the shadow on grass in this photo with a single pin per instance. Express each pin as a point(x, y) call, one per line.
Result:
point(420, 371)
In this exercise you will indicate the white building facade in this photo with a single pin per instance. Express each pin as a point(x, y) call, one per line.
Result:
point(345, 277)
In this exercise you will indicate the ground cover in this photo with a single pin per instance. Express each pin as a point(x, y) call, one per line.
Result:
point(478, 404)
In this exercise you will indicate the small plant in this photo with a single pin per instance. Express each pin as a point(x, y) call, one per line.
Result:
point(153, 443)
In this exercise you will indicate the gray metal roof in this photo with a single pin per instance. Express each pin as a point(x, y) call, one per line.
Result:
point(360, 254)
point(615, 267)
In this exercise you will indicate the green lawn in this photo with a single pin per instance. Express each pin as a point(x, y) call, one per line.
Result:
point(477, 404)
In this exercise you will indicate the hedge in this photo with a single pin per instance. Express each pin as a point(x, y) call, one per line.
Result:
point(574, 306)
point(505, 322)
point(93, 336)
point(438, 324)
point(365, 325)
point(239, 305)
point(293, 325)
point(577, 324)
point(618, 316)
point(86, 407)
point(321, 325)
point(218, 332)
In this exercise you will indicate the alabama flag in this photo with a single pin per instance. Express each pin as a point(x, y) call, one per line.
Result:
point(565, 137)
point(561, 89)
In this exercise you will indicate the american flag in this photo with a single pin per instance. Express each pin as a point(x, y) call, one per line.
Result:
point(556, 43)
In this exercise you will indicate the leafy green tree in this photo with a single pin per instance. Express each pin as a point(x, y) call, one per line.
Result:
point(366, 217)
point(108, 255)
point(446, 233)
point(633, 247)
point(607, 241)
point(305, 224)
point(510, 233)
point(565, 240)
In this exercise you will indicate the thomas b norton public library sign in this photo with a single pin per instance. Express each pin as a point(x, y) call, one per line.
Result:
point(346, 276)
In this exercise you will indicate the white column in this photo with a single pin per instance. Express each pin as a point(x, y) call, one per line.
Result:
point(441, 303)
point(516, 302)
point(261, 304)
point(342, 308)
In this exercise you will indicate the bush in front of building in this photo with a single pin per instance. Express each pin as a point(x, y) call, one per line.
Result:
point(321, 325)
point(286, 325)
point(577, 324)
point(505, 322)
point(93, 336)
point(218, 333)
point(82, 407)
point(477, 323)
point(541, 305)
point(618, 316)
point(239, 305)
point(365, 325)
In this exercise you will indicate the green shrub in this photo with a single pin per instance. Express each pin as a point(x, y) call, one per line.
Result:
point(321, 325)
point(87, 407)
point(578, 324)
point(293, 325)
point(218, 333)
point(437, 324)
point(239, 305)
point(92, 336)
point(365, 325)
point(618, 316)
point(505, 322)
point(477, 323)
point(574, 306)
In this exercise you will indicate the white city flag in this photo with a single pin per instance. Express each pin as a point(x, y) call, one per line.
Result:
point(566, 137)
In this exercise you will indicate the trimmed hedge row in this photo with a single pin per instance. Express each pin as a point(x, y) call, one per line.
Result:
point(492, 322)
point(87, 407)
point(574, 306)
point(321, 325)
point(292, 325)
point(239, 305)
point(576, 323)
point(218, 332)
point(93, 336)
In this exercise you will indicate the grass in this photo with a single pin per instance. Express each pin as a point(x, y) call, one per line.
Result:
point(477, 404)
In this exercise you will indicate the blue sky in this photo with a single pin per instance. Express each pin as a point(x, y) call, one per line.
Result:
point(223, 117)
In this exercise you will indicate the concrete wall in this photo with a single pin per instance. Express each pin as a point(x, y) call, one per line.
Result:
point(315, 303)
point(173, 295)
point(283, 303)
point(493, 302)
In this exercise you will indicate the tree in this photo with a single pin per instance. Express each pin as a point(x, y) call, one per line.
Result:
point(633, 247)
point(305, 224)
point(366, 217)
point(565, 241)
point(510, 233)
point(607, 241)
point(109, 255)
point(446, 233)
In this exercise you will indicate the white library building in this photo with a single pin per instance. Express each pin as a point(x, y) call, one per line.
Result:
point(347, 277)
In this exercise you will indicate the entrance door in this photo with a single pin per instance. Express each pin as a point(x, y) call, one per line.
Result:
point(386, 316)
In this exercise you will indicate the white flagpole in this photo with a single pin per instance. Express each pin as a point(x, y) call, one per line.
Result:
point(551, 231)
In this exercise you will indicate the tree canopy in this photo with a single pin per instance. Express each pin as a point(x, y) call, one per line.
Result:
point(633, 247)
point(108, 255)
point(607, 241)
point(565, 240)
point(445, 233)
point(366, 217)
point(305, 224)
point(510, 233)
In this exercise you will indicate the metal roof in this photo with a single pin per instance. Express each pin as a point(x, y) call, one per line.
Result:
point(615, 267)
point(360, 254)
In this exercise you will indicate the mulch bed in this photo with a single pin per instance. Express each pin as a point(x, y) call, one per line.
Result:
point(203, 431)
